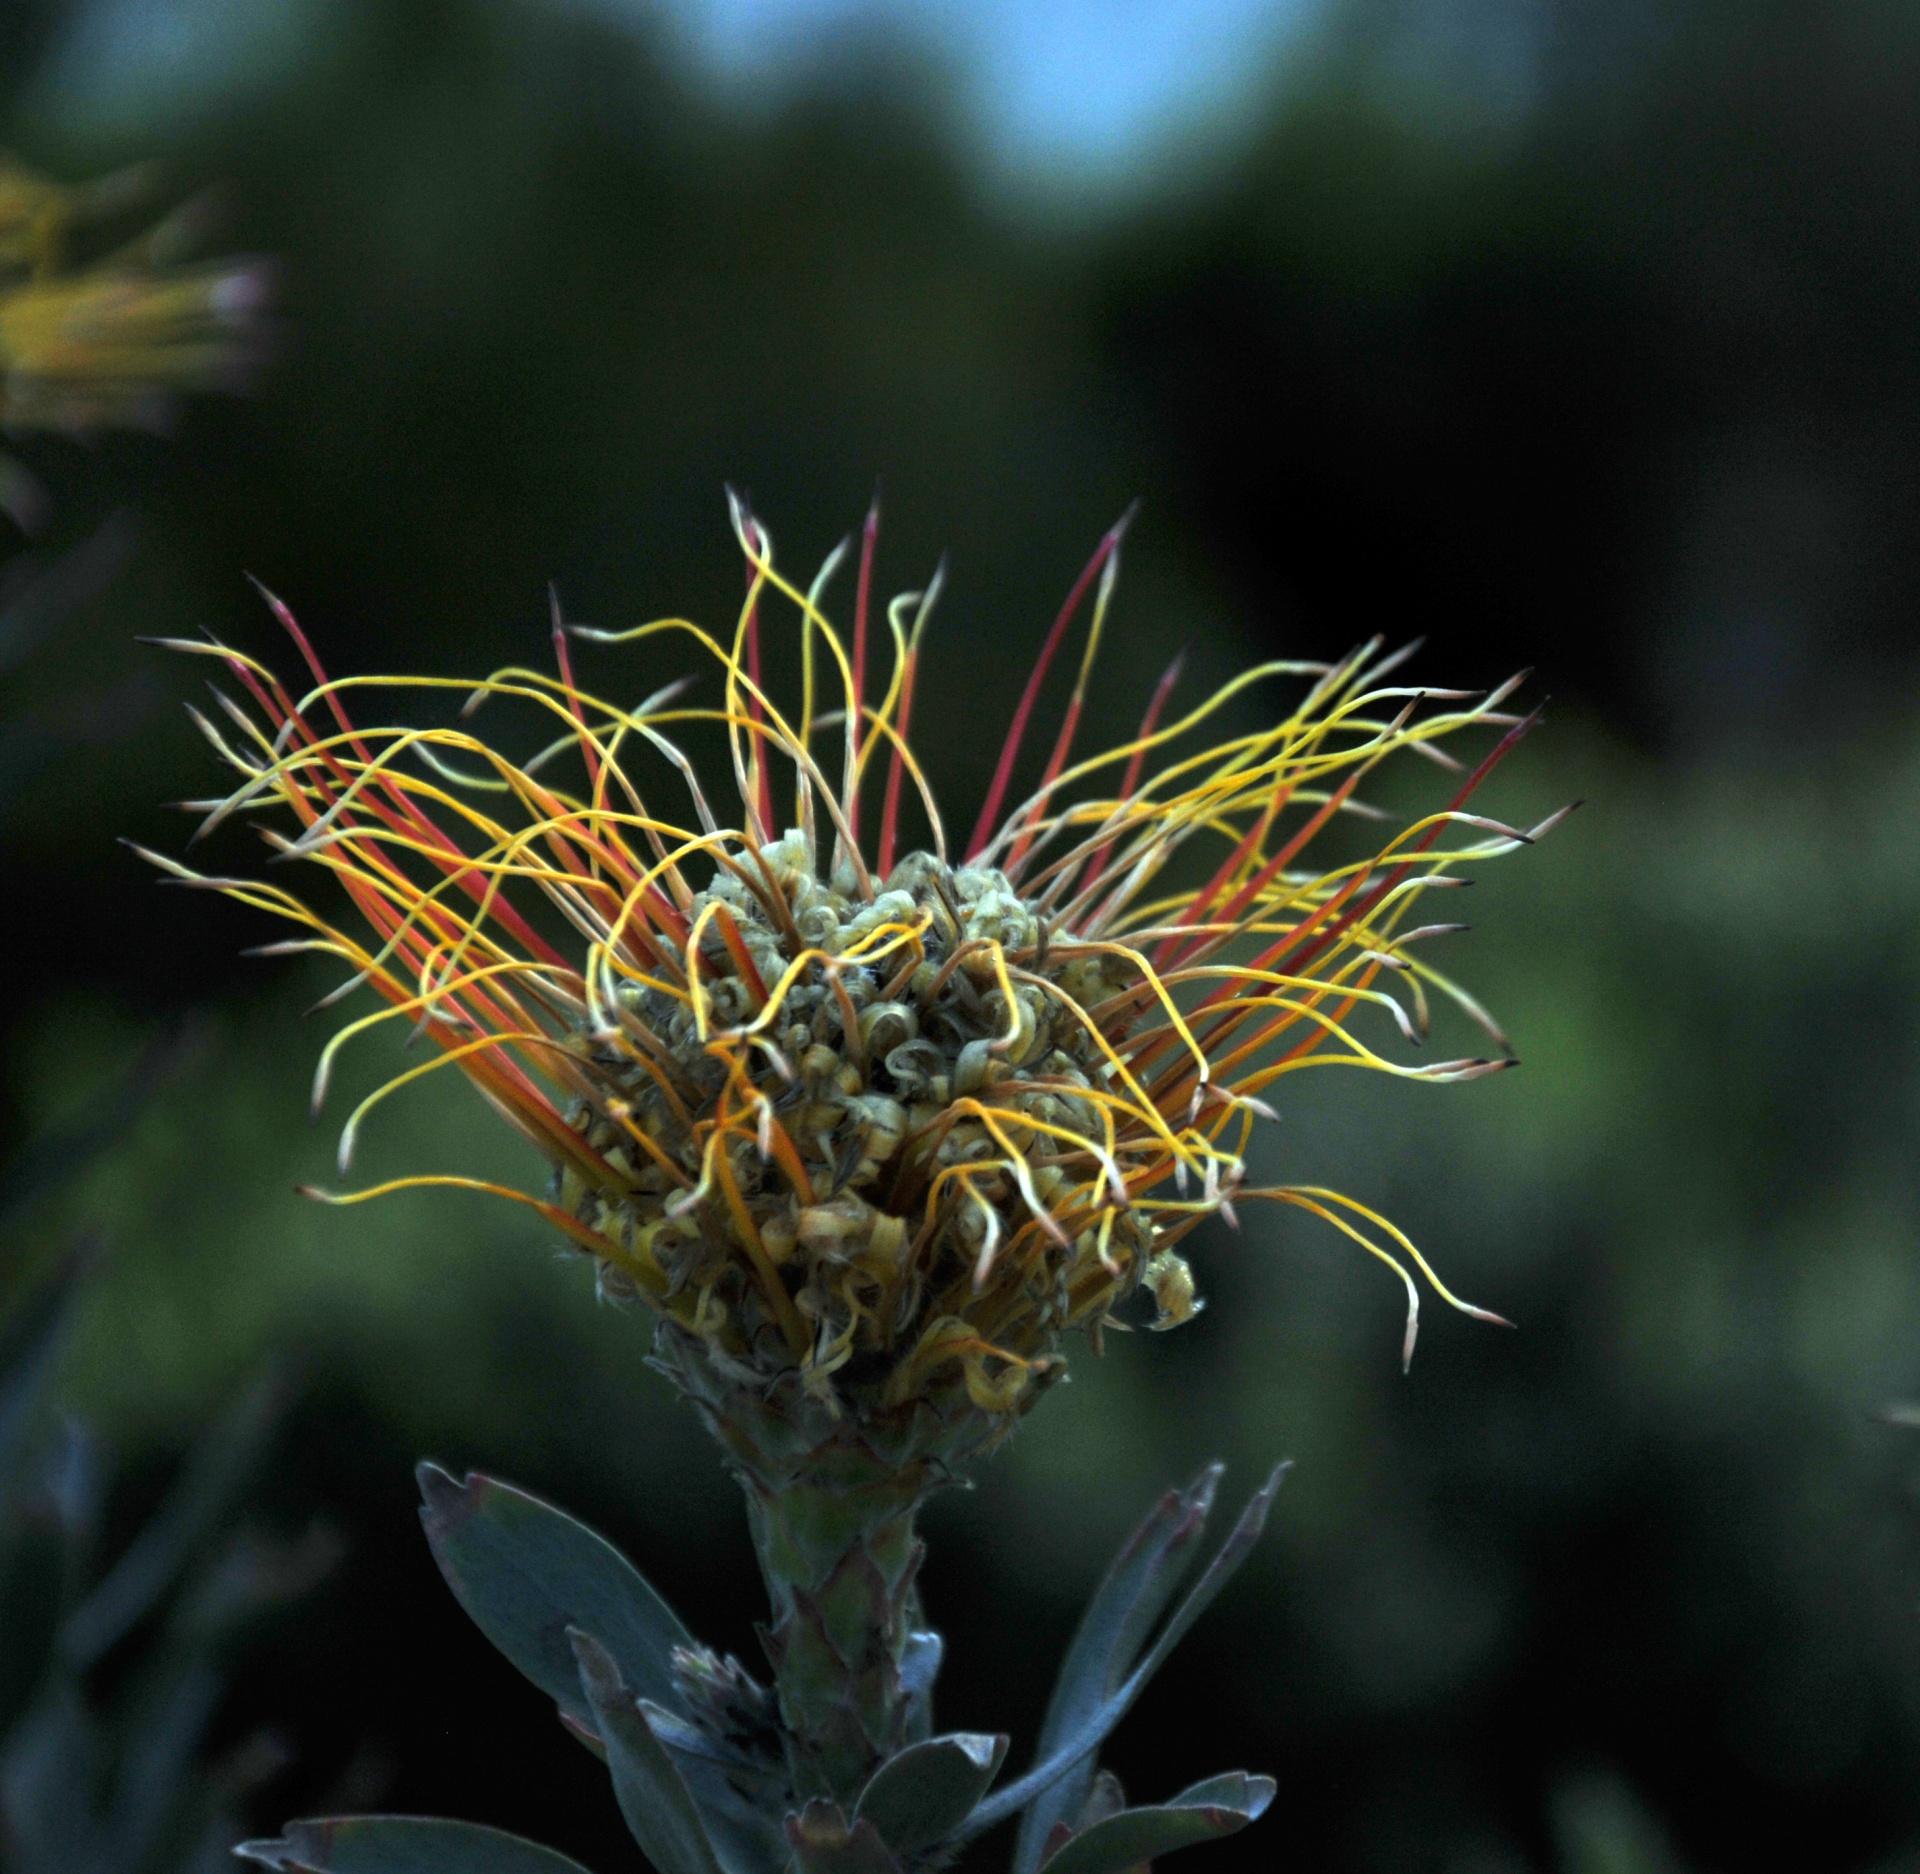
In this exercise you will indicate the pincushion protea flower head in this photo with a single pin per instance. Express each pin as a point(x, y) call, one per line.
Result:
point(839, 1112)
point(869, 1131)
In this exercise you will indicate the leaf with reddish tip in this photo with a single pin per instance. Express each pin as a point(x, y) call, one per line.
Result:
point(917, 1798)
point(653, 1795)
point(1124, 1607)
point(1222, 1805)
point(526, 1572)
point(403, 1844)
point(1071, 1760)
point(824, 1842)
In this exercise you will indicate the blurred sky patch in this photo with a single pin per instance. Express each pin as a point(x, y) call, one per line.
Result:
point(1069, 94)
point(1082, 90)
point(122, 65)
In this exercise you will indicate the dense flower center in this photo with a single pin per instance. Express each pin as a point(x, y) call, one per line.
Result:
point(926, 1062)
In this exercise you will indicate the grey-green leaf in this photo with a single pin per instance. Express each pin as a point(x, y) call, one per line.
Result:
point(1220, 1806)
point(1115, 1626)
point(526, 1572)
point(919, 1666)
point(744, 1835)
point(653, 1795)
point(403, 1844)
point(1222, 1569)
point(1078, 1747)
point(30, 1350)
point(918, 1797)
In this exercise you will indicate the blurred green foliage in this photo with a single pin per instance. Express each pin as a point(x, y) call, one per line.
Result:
point(1617, 373)
point(114, 1663)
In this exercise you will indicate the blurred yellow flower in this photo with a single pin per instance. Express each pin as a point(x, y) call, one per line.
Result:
point(111, 341)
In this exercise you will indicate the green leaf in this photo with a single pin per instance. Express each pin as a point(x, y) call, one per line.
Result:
point(49, 1778)
point(1078, 1746)
point(403, 1844)
point(1220, 1806)
point(921, 1795)
point(527, 1572)
point(1115, 1626)
point(218, 1469)
point(45, 1163)
point(652, 1793)
point(156, 1788)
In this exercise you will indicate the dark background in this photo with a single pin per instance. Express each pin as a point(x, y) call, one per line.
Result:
point(1618, 378)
